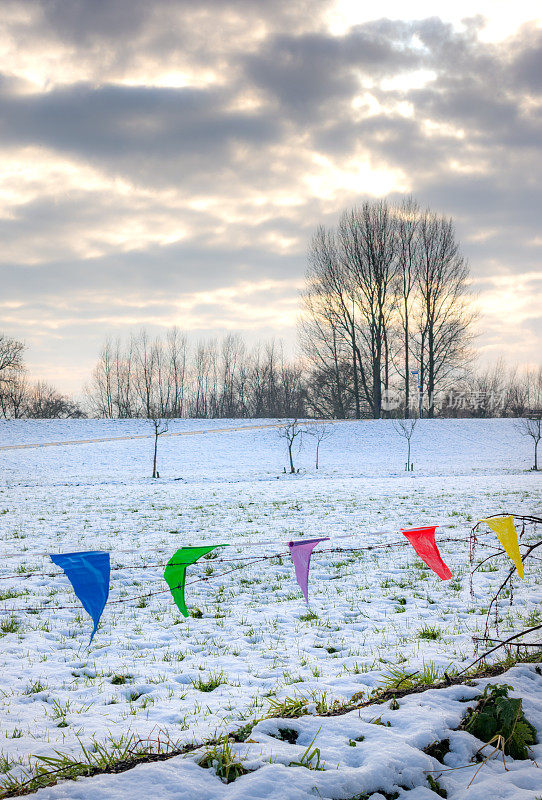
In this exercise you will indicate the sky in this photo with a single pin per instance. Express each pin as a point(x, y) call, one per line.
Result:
point(166, 163)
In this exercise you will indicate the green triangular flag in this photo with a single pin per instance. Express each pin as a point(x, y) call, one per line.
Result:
point(175, 573)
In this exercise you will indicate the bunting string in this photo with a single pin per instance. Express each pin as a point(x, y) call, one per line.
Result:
point(90, 572)
point(246, 562)
point(139, 596)
point(219, 560)
point(333, 536)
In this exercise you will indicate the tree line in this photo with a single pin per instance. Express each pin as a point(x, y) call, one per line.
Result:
point(386, 330)
point(165, 377)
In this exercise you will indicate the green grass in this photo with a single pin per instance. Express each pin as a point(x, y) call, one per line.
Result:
point(210, 683)
point(59, 713)
point(47, 770)
point(121, 679)
point(35, 687)
point(310, 759)
point(226, 764)
point(430, 633)
point(288, 708)
point(9, 625)
point(9, 594)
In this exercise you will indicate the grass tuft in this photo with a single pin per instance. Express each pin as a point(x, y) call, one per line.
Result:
point(430, 633)
point(226, 764)
point(210, 683)
point(9, 625)
point(288, 708)
point(120, 679)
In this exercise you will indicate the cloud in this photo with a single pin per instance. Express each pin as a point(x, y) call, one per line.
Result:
point(158, 151)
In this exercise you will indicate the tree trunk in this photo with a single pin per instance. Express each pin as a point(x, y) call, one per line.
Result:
point(355, 368)
point(154, 475)
point(292, 468)
point(407, 373)
point(430, 371)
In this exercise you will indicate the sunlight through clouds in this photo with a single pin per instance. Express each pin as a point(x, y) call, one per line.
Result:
point(157, 158)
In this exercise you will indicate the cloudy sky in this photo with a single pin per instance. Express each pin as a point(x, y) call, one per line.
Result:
point(166, 163)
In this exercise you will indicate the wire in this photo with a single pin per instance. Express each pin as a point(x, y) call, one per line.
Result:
point(246, 561)
point(118, 567)
point(33, 609)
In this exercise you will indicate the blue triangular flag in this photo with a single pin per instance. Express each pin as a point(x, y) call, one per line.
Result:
point(89, 574)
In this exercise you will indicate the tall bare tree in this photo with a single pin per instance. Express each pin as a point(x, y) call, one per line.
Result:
point(330, 319)
point(368, 252)
point(350, 299)
point(444, 315)
point(146, 358)
point(407, 231)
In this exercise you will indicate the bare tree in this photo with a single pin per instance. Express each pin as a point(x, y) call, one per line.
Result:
point(19, 398)
point(11, 369)
point(330, 320)
point(532, 383)
point(177, 357)
point(146, 372)
point(407, 216)
point(492, 391)
point(219, 379)
point(11, 355)
point(532, 427)
point(368, 251)
point(405, 428)
point(14, 396)
point(290, 431)
point(112, 390)
point(45, 402)
point(232, 354)
point(326, 339)
point(321, 431)
point(388, 285)
point(100, 391)
point(444, 317)
point(160, 426)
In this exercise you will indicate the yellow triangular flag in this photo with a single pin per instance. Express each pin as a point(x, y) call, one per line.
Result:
point(508, 536)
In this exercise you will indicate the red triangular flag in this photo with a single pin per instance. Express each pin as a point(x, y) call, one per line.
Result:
point(423, 542)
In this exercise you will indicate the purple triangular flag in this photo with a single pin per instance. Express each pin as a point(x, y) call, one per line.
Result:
point(301, 556)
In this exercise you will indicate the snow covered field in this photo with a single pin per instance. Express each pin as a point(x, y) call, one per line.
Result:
point(252, 635)
point(355, 750)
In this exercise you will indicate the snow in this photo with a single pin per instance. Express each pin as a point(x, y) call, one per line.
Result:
point(255, 631)
point(357, 756)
